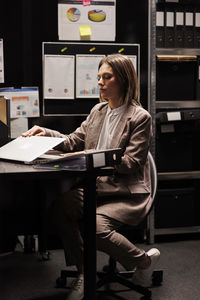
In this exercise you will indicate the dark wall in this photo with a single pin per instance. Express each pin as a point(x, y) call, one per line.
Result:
point(25, 24)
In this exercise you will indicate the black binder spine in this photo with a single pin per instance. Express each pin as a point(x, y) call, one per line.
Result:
point(169, 27)
point(160, 27)
point(8, 118)
point(89, 161)
point(189, 27)
point(179, 28)
point(197, 28)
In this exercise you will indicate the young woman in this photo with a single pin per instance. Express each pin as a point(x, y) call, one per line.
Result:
point(117, 121)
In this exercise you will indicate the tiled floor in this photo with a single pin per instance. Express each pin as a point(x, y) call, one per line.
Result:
point(26, 277)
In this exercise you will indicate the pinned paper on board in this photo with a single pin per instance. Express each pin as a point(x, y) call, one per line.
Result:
point(86, 75)
point(133, 58)
point(99, 16)
point(59, 76)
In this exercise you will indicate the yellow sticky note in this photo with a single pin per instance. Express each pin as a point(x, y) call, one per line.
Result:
point(85, 31)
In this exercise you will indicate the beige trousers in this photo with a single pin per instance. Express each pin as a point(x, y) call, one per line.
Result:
point(69, 219)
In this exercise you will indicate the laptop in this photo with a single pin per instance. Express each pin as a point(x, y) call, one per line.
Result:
point(30, 149)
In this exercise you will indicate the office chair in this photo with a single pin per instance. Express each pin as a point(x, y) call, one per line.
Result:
point(110, 273)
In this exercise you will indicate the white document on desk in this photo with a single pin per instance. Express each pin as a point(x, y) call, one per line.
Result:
point(27, 149)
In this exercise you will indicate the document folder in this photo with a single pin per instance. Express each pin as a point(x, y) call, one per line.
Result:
point(4, 120)
point(197, 28)
point(84, 160)
point(189, 28)
point(179, 28)
point(160, 29)
point(169, 28)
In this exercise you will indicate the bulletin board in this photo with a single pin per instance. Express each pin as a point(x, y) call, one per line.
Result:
point(70, 74)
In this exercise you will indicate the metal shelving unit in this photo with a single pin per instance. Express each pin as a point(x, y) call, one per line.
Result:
point(152, 93)
point(155, 105)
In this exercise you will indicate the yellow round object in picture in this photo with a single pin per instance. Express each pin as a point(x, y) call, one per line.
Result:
point(96, 15)
point(73, 14)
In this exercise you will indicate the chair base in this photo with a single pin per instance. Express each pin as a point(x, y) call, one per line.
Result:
point(112, 275)
point(118, 278)
point(61, 281)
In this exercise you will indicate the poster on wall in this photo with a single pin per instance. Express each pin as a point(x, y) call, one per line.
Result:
point(87, 20)
point(59, 76)
point(24, 102)
point(1, 62)
point(86, 75)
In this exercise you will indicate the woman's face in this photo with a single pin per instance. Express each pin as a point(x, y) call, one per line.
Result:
point(108, 84)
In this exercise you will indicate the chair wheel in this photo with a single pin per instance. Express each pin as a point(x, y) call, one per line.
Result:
point(106, 269)
point(61, 282)
point(45, 256)
point(157, 277)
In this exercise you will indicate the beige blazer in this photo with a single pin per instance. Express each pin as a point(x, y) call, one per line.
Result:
point(124, 195)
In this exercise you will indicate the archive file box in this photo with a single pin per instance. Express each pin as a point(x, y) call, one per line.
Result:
point(4, 120)
point(177, 77)
point(178, 203)
point(177, 140)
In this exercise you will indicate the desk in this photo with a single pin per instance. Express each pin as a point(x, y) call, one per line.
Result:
point(27, 172)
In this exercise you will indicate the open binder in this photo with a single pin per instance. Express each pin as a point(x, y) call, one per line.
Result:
point(84, 160)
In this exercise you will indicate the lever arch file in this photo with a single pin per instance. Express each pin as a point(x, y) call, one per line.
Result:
point(197, 28)
point(169, 28)
point(4, 120)
point(85, 160)
point(160, 29)
point(189, 28)
point(179, 29)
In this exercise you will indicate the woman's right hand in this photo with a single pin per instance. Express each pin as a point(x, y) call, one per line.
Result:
point(35, 130)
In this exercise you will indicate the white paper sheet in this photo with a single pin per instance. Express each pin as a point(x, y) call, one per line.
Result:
point(17, 126)
point(87, 75)
point(59, 76)
point(133, 58)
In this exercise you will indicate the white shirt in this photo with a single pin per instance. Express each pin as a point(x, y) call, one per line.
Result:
point(110, 123)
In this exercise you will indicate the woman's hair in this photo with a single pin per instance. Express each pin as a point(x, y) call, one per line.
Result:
point(125, 74)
